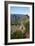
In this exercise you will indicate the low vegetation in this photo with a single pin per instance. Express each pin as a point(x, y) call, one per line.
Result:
point(20, 30)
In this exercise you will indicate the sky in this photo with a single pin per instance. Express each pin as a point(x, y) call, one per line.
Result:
point(19, 10)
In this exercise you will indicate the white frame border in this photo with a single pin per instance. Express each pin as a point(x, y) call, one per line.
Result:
point(19, 40)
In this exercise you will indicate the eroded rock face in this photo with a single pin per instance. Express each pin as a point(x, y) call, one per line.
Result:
point(21, 28)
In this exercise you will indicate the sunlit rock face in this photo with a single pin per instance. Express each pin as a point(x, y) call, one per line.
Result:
point(21, 28)
point(18, 28)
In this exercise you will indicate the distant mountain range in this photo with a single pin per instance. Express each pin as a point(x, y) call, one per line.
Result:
point(18, 17)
